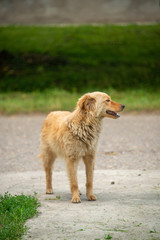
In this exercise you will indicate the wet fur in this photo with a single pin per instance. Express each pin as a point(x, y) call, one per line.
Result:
point(74, 136)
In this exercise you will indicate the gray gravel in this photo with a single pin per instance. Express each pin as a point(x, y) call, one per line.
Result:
point(126, 210)
point(126, 181)
point(130, 142)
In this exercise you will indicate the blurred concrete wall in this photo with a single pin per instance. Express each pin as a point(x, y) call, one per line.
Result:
point(78, 11)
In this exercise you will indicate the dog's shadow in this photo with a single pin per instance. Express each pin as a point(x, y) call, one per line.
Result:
point(105, 197)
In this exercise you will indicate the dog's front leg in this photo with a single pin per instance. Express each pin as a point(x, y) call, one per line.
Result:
point(72, 174)
point(89, 164)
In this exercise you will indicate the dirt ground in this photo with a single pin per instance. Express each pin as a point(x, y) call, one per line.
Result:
point(130, 142)
point(126, 181)
point(126, 210)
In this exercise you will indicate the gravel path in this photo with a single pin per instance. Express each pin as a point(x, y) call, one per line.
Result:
point(128, 209)
point(131, 142)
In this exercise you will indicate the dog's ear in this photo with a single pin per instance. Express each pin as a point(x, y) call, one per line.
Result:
point(87, 103)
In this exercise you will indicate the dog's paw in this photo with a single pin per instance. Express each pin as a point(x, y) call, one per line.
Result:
point(76, 199)
point(91, 198)
point(49, 191)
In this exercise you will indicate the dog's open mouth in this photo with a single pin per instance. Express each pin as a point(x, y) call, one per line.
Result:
point(114, 114)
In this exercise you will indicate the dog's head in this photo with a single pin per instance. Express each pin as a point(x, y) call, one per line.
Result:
point(100, 104)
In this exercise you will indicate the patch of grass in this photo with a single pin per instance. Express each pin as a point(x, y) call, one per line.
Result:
point(153, 231)
point(58, 197)
point(50, 100)
point(138, 225)
point(14, 211)
point(108, 236)
point(77, 57)
point(37, 101)
point(53, 199)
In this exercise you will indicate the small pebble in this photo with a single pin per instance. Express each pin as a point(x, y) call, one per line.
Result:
point(112, 182)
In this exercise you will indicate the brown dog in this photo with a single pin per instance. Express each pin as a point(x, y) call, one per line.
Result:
point(74, 135)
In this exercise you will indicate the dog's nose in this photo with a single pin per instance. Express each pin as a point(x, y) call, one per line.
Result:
point(123, 106)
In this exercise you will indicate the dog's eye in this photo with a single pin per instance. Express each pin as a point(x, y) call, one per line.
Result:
point(107, 100)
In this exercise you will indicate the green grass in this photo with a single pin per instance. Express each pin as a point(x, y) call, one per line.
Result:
point(77, 58)
point(108, 236)
point(14, 211)
point(50, 100)
point(120, 60)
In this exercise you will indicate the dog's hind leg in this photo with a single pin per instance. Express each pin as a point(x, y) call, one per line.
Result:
point(72, 174)
point(48, 161)
point(89, 164)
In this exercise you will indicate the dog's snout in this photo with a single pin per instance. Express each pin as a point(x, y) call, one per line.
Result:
point(123, 106)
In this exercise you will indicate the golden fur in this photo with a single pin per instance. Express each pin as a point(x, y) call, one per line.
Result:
point(73, 136)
